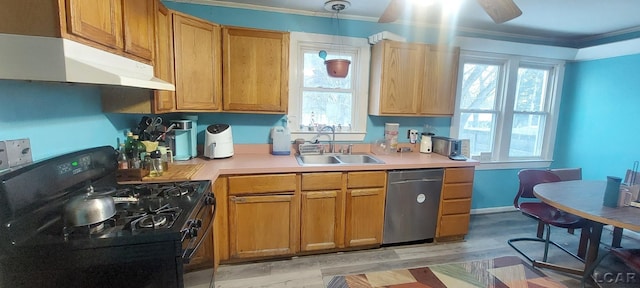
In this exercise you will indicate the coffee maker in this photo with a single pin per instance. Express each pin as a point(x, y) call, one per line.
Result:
point(184, 139)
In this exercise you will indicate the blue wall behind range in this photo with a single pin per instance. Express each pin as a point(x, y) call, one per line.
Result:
point(56, 117)
point(60, 118)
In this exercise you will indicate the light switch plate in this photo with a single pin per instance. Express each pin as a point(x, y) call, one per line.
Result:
point(4, 158)
point(18, 152)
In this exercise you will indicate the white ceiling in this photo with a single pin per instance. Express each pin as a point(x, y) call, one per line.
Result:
point(568, 21)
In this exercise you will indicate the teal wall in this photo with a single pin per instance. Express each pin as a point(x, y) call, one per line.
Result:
point(599, 97)
point(599, 116)
point(56, 117)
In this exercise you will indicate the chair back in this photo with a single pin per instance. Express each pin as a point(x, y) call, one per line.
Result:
point(529, 178)
point(568, 174)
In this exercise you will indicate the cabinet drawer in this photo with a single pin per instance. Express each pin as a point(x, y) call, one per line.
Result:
point(458, 175)
point(366, 179)
point(457, 191)
point(322, 181)
point(453, 225)
point(252, 184)
point(457, 206)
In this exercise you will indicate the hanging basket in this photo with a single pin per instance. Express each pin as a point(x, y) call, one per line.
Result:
point(338, 68)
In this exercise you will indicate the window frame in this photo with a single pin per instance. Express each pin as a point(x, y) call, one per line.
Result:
point(505, 100)
point(359, 71)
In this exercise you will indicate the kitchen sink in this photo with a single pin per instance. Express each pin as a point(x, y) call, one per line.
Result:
point(317, 160)
point(359, 159)
point(336, 159)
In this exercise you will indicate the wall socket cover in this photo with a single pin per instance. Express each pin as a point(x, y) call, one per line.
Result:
point(4, 158)
point(18, 152)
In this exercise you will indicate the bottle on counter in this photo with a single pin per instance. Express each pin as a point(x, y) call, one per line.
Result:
point(128, 145)
point(123, 161)
point(138, 151)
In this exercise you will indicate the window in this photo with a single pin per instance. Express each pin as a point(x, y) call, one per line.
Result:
point(507, 108)
point(315, 99)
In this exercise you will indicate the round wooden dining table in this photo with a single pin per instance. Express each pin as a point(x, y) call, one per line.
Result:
point(584, 198)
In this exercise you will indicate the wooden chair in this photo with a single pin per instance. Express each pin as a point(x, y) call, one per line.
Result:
point(547, 215)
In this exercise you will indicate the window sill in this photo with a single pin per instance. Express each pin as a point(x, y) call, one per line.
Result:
point(514, 164)
point(340, 136)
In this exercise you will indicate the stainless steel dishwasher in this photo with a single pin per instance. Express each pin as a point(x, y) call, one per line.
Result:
point(411, 207)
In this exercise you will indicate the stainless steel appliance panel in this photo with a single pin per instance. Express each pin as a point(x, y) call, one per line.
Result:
point(411, 208)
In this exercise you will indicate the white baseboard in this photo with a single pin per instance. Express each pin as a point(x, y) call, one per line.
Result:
point(493, 210)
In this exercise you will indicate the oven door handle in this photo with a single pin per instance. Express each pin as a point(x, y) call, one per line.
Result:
point(189, 252)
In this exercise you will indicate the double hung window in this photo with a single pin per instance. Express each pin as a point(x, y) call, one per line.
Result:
point(507, 108)
point(316, 99)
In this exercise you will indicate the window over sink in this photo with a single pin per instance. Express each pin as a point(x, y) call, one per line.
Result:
point(316, 99)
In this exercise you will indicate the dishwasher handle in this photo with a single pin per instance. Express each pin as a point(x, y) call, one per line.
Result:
point(417, 180)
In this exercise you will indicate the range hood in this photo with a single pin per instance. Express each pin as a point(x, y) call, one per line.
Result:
point(62, 60)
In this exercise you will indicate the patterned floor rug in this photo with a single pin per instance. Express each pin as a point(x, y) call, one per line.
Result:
point(507, 272)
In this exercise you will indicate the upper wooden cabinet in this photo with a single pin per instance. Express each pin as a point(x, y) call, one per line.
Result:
point(442, 73)
point(412, 79)
point(397, 73)
point(139, 27)
point(97, 20)
point(188, 54)
point(197, 56)
point(255, 70)
point(121, 27)
point(163, 64)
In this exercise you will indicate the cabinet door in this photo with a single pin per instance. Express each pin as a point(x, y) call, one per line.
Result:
point(197, 64)
point(440, 88)
point(96, 20)
point(256, 70)
point(364, 216)
point(163, 59)
point(263, 225)
point(138, 19)
point(402, 77)
point(320, 220)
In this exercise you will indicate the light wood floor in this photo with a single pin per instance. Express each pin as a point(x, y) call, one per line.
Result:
point(487, 238)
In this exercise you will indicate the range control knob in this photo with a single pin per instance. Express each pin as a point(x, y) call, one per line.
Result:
point(210, 199)
point(193, 233)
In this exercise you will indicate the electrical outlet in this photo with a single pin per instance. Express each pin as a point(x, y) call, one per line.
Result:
point(18, 152)
point(4, 159)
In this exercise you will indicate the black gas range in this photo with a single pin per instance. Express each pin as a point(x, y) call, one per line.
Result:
point(152, 230)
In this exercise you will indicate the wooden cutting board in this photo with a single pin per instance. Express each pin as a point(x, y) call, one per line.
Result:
point(176, 172)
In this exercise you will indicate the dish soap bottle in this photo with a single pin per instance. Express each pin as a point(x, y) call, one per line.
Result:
point(281, 141)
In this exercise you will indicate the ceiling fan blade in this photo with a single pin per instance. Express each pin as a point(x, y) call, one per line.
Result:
point(392, 13)
point(500, 10)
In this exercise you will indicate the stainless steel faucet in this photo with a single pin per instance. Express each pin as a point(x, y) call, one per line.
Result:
point(332, 144)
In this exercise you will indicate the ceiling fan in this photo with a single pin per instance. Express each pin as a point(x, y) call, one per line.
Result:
point(499, 10)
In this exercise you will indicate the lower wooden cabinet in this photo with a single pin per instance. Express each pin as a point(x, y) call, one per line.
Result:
point(455, 206)
point(263, 215)
point(270, 215)
point(320, 220)
point(265, 225)
point(364, 216)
